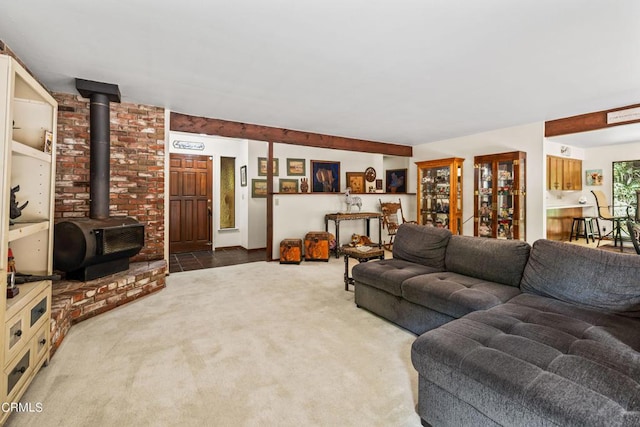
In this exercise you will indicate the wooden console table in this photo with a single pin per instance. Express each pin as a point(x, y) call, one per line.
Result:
point(338, 217)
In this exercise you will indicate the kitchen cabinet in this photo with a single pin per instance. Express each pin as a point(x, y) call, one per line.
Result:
point(564, 174)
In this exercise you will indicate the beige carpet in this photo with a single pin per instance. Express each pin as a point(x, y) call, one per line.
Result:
point(258, 344)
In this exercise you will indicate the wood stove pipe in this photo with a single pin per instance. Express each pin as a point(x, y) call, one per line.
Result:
point(99, 154)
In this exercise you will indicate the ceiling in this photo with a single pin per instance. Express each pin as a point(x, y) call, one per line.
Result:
point(399, 71)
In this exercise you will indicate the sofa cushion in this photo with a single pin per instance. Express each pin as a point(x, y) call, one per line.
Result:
point(607, 328)
point(553, 359)
point(421, 244)
point(590, 277)
point(455, 294)
point(501, 261)
point(388, 274)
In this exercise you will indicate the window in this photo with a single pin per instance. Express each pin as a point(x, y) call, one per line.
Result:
point(626, 187)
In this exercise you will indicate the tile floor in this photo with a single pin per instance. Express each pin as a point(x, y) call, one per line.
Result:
point(231, 256)
point(218, 258)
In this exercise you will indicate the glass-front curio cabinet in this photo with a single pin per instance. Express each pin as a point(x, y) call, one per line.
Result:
point(440, 193)
point(500, 194)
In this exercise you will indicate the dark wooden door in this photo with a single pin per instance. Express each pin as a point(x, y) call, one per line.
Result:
point(190, 196)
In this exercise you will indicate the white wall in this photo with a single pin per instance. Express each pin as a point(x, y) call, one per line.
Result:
point(294, 215)
point(297, 214)
point(602, 158)
point(557, 197)
point(527, 138)
point(257, 208)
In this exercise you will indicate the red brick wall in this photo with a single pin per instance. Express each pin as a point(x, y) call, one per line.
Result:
point(137, 166)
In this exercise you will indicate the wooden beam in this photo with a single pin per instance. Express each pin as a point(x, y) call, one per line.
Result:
point(584, 122)
point(270, 202)
point(186, 123)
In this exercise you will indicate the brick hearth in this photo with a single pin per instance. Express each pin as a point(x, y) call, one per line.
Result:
point(74, 301)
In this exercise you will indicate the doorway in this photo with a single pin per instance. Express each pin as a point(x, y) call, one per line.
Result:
point(190, 209)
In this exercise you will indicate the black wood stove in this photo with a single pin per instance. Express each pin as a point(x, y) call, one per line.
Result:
point(89, 248)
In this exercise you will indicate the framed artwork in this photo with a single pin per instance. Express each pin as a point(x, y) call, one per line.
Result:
point(227, 192)
point(288, 185)
point(378, 184)
point(594, 177)
point(258, 188)
point(243, 176)
point(396, 180)
point(355, 180)
point(296, 167)
point(48, 142)
point(262, 166)
point(325, 176)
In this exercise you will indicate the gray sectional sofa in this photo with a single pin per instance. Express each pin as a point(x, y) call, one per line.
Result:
point(512, 334)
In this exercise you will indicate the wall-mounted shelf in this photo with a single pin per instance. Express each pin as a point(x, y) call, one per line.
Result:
point(25, 150)
point(26, 229)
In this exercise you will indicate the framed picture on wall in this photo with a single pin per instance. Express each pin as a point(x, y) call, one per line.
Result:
point(325, 176)
point(296, 167)
point(288, 185)
point(355, 180)
point(258, 188)
point(396, 181)
point(262, 166)
point(48, 142)
point(593, 177)
point(243, 176)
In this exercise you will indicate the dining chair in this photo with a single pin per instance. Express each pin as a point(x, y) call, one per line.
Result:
point(392, 218)
point(634, 232)
point(604, 213)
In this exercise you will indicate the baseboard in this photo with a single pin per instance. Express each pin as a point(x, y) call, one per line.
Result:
point(231, 248)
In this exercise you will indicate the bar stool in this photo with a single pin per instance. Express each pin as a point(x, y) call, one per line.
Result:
point(582, 227)
point(596, 228)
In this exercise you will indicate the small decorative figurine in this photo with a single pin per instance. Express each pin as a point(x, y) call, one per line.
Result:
point(12, 289)
point(14, 210)
point(484, 230)
point(352, 200)
point(360, 240)
point(304, 185)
